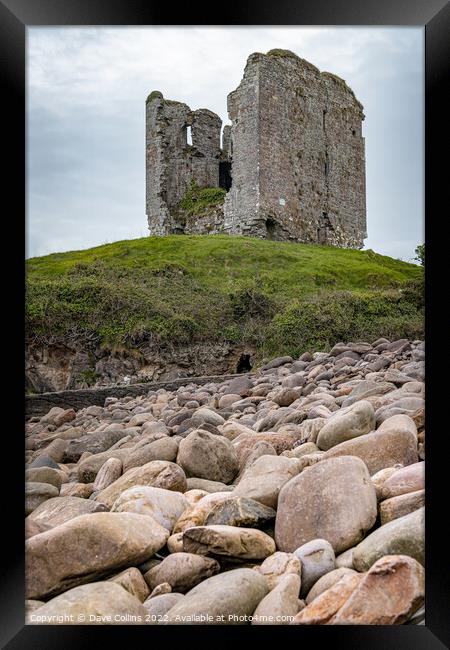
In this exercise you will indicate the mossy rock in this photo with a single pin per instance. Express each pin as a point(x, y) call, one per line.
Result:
point(154, 95)
point(285, 54)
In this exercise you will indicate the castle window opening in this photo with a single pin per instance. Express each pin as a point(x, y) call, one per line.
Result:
point(225, 179)
point(188, 135)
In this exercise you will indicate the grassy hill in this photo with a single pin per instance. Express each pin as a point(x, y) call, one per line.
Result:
point(280, 298)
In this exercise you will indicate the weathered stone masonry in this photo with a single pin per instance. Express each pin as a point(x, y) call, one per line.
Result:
point(292, 160)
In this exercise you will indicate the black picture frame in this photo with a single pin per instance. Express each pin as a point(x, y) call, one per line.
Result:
point(15, 16)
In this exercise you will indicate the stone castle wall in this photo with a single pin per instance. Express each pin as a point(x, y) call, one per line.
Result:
point(171, 163)
point(296, 151)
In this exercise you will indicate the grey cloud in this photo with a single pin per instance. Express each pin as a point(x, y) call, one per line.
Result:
point(86, 108)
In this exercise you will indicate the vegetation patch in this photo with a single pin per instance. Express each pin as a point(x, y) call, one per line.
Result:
point(277, 297)
point(285, 54)
point(154, 95)
point(199, 200)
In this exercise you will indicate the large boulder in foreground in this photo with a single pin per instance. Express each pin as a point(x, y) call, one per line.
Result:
point(165, 506)
point(391, 591)
point(317, 559)
point(205, 455)
point(228, 541)
point(94, 442)
point(100, 603)
point(278, 565)
point(89, 467)
point(158, 606)
point(325, 606)
point(405, 480)
point(38, 493)
point(400, 506)
point(158, 473)
point(327, 581)
point(347, 423)
point(182, 571)
point(380, 449)
point(402, 536)
point(332, 500)
point(263, 480)
point(196, 514)
point(240, 511)
point(58, 510)
point(226, 599)
point(280, 604)
point(87, 547)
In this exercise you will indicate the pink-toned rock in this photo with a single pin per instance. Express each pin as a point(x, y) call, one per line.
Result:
point(88, 546)
point(280, 442)
point(278, 565)
point(67, 416)
point(389, 593)
point(285, 396)
point(133, 581)
point(182, 571)
point(109, 472)
point(406, 479)
point(322, 608)
point(280, 604)
point(159, 590)
point(58, 510)
point(380, 449)
point(380, 477)
point(158, 473)
point(332, 500)
point(196, 514)
point(400, 506)
point(80, 490)
point(102, 600)
point(327, 581)
point(228, 541)
point(49, 418)
point(205, 455)
point(263, 480)
point(227, 400)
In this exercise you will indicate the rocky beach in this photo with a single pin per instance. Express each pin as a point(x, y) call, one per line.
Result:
point(293, 495)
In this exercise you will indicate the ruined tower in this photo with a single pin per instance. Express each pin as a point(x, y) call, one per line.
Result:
point(173, 164)
point(292, 160)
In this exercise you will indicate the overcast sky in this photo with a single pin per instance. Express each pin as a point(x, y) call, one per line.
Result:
point(86, 119)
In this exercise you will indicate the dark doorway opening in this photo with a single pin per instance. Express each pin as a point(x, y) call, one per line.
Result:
point(244, 364)
point(225, 175)
point(271, 228)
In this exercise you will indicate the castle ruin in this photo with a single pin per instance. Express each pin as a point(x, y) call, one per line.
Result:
point(292, 161)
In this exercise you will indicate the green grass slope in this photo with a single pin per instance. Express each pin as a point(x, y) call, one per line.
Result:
point(279, 297)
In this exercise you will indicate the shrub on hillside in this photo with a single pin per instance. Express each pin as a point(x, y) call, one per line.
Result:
point(318, 322)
